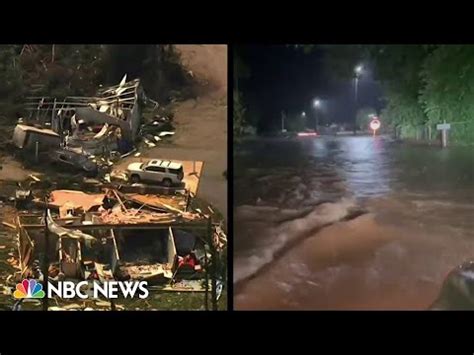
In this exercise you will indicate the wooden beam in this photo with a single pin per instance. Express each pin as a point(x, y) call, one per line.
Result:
point(164, 225)
point(9, 225)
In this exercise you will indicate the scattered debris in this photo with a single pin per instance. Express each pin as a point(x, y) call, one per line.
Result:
point(134, 216)
point(62, 232)
point(121, 231)
point(9, 225)
point(23, 198)
point(119, 175)
point(164, 134)
point(75, 199)
point(160, 201)
point(148, 143)
point(220, 238)
point(32, 138)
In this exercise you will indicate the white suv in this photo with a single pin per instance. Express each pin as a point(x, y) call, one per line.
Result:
point(161, 171)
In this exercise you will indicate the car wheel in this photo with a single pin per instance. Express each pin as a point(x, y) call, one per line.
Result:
point(166, 182)
point(135, 179)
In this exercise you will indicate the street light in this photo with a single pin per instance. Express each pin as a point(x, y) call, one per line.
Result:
point(303, 114)
point(283, 130)
point(316, 105)
point(357, 71)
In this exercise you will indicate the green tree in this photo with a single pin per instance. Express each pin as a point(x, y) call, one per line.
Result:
point(238, 114)
point(242, 117)
point(448, 74)
point(396, 67)
point(60, 70)
point(447, 92)
point(241, 70)
point(158, 67)
point(12, 87)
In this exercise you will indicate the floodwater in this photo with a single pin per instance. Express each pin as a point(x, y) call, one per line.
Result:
point(349, 222)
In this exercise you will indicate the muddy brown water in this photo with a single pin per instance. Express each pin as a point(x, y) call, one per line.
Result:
point(416, 225)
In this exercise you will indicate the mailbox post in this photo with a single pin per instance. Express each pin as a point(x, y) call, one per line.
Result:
point(444, 128)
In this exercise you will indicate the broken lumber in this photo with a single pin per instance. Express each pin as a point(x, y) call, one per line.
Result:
point(120, 201)
point(9, 225)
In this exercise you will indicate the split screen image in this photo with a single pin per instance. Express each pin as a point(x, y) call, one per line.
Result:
point(348, 185)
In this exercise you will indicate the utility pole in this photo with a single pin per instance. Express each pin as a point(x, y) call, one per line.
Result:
point(282, 120)
point(356, 87)
point(316, 105)
point(357, 71)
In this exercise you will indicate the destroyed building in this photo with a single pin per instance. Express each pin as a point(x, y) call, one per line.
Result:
point(25, 137)
point(117, 230)
point(98, 125)
point(112, 236)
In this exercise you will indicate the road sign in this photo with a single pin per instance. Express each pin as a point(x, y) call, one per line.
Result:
point(443, 126)
point(374, 124)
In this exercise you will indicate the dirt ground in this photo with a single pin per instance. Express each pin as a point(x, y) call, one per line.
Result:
point(201, 124)
point(13, 170)
point(208, 65)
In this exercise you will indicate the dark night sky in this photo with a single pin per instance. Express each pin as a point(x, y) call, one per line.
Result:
point(284, 78)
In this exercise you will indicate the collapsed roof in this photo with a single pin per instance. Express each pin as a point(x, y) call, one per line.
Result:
point(117, 105)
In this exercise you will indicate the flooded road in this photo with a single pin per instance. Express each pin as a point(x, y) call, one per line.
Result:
point(349, 222)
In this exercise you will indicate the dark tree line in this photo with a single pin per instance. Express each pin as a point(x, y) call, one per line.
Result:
point(423, 84)
point(66, 70)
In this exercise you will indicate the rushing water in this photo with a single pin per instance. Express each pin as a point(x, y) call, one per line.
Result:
point(291, 252)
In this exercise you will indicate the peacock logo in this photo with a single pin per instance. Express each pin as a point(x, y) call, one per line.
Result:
point(29, 289)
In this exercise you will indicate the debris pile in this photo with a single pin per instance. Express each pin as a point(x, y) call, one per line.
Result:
point(117, 236)
point(112, 224)
point(135, 216)
point(91, 133)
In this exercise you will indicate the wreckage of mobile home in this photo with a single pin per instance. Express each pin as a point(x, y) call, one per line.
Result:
point(104, 241)
point(110, 120)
